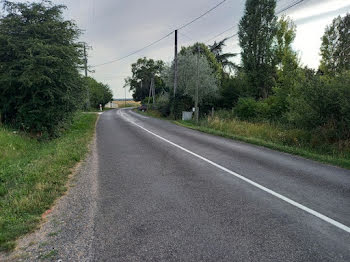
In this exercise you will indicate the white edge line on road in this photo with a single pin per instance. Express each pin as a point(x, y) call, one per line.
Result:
point(286, 199)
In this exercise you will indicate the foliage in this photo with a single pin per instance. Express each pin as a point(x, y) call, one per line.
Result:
point(232, 88)
point(188, 64)
point(246, 109)
point(99, 93)
point(323, 104)
point(335, 50)
point(142, 72)
point(34, 174)
point(291, 140)
point(205, 52)
point(257, 30)
point(163, 104)
point(288, 72)
point(223, 58)
point(40, 84)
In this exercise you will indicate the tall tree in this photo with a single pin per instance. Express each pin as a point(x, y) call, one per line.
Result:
point(257, 30)
point(221, 57)
point(205, 52)
point(187, 76)
point(335, 48)
point(142, 72)
point(40, 82)
point(288, 73)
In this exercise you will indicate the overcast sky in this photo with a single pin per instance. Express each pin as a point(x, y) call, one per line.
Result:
point(115, 28)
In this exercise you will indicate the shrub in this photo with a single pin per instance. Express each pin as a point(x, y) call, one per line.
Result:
point(40, 83)
point(163, 105)
point(246, 109)
point(324, 106)
point(99, 93)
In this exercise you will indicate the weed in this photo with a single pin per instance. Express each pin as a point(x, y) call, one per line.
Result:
point(33, 175)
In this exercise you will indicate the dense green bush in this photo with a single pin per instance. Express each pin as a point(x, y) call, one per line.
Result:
point(40, 83)
point(163, 105)
point(324, 105)
point(246, 109)
point(99, 93)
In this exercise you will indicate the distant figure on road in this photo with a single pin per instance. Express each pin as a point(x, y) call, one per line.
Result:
point(100, 107)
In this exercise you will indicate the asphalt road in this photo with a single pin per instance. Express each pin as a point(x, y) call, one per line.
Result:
point(167, 193)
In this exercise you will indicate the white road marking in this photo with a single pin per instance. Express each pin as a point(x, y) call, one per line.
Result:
point(286, 199)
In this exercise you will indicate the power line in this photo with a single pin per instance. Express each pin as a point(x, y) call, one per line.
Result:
point(187, 24)
point(289, 7)
point(199, 17)
point(157, 41)
point(135, 52)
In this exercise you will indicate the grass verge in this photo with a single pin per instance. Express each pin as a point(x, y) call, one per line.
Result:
point(34, 174)
point(294, 141)
point(266, 135)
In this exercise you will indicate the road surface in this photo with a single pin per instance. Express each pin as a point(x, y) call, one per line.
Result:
point(167, 193)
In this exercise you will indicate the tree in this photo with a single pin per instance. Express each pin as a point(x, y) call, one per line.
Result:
point(335, 48)
point(142, 72)
point(40, 83)
point(223, 58)
point(288, 73)
point(205, 52)
point(257, 30)
point(187, 76)
point(99, 93)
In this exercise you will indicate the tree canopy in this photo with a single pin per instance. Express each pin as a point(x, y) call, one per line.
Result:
point(335, 49)
point(142, 72)
point(223, 58)
point(99, 93)
point(40, 83)
point(257, 30)
point(187, 76)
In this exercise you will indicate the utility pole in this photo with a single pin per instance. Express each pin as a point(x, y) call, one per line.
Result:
point(175, 64)
point(175, 75)
point(86, 75)
point(85, 61)
point(197, 88)
point(149, 94)
point(125, 97)
point(153, 90)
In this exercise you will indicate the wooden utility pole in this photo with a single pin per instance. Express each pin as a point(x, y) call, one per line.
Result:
point(125, 97)
point(153, 90)
point(175, 64)
point(197, 88)
point(85, 61)
point(86, 75)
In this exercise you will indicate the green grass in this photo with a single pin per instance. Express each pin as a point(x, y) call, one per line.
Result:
point(34, 174)
point(294, 141)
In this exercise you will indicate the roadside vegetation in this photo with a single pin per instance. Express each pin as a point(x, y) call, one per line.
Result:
point(270, 98)
point(290, 140)
point(33, 174)
point(43, 133)
point(129, 103)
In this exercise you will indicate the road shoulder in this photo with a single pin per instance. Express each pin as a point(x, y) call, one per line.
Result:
point(67, 231)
